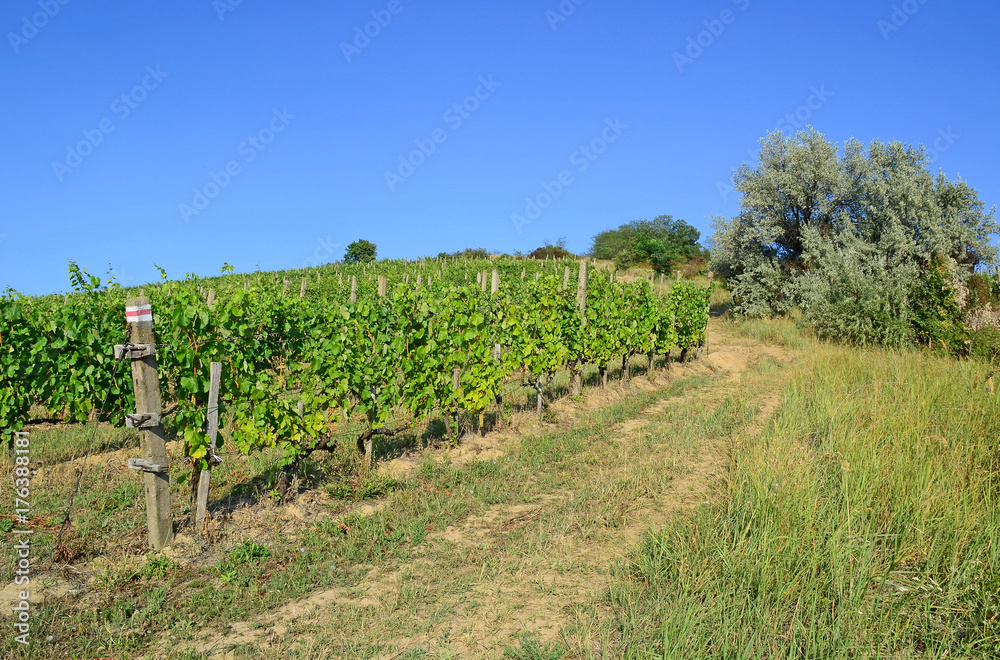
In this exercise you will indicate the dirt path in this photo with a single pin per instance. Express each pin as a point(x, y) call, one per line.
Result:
point(533, 572)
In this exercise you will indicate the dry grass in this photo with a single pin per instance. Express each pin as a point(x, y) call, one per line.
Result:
point(862, 523)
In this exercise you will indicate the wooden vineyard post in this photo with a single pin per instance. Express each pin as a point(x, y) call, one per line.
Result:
point(581, 302)
point(381, 286)
point(145, 382)
point(354, 289)
point(495, 283)
point(566, 277)
point(284, 289)
point(205, 478)
point(482, 280)
point(302, 291)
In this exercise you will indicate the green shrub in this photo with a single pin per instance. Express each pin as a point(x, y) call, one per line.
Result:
point(986, 344)
point(626, 259)
point(980, 290)
point(936, 315)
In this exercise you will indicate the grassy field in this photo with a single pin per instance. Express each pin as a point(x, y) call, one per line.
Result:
point(862, 522)
point(780, 498)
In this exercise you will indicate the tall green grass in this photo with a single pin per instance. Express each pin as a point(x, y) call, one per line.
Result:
point(782, 331)
point(862, 522)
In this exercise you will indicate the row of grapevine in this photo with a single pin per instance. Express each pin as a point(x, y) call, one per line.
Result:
point(395, 359)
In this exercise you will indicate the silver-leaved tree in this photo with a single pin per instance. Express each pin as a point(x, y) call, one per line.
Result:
point(866, 241)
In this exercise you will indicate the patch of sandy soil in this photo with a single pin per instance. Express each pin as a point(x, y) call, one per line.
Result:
point(41, 589)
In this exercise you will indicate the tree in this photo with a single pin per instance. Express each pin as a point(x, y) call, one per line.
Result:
point(467, 253)
point(856, 240)
point(662, 243)
point(360, 252)
point(550, 251)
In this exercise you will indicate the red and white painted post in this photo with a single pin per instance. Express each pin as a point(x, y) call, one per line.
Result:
point(154, 463)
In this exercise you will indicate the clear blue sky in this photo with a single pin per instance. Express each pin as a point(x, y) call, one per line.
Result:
point(328, 122)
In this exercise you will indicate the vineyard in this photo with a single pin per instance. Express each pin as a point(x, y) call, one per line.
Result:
point(376, 348)
point(668, 515)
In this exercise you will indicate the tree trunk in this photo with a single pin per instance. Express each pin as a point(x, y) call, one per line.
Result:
point(454, 418)
point(195, 480)
point(369, 450)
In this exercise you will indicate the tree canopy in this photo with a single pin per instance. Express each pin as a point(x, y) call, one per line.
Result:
point(858, 240)
point(662, 242)
point(360, 251)
point(548, 250)
point(467, 253)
